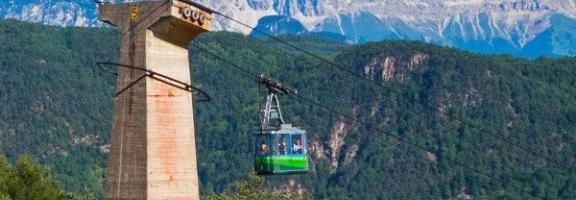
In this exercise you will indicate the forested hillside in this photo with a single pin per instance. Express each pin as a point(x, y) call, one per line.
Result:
point(54, 104)
point(492, 126)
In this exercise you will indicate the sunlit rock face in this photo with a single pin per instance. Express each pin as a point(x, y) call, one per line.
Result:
point(51, 12)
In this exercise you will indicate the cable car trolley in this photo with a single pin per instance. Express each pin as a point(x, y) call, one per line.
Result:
point(279, 148)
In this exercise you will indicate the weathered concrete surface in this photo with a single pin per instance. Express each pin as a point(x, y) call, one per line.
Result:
point(153, 153)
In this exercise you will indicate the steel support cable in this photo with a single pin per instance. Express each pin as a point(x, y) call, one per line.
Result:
point(289, 54)
point(466, 122)
point(494, 144)
point(476, 171)
point(425, 105)
point(283, 51)
point(400, 139)
point(240, 31)
point(253, 75)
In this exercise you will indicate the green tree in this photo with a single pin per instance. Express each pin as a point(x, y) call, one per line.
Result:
point(254, 188)
point(28, 180)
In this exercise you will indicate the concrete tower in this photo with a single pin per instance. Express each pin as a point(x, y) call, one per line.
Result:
point(153, 153)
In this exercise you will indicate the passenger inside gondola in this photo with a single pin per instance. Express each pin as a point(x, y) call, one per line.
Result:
point(263, 147)
point(281, 146)
point(297, 146)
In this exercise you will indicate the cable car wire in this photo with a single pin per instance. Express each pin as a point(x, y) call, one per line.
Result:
point(290, 54)
point(494, 145)
point(425, 105)
point(362, 77)
point(302, 98)
point(285, 52)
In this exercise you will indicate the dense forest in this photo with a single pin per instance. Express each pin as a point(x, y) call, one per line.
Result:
point(471, 125)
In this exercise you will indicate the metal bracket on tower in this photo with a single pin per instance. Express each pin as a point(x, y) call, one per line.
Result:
point(163, 78)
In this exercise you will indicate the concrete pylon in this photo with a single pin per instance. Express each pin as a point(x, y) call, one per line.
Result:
point(153, 153)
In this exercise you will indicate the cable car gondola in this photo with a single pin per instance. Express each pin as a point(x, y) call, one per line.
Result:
point(279, 148)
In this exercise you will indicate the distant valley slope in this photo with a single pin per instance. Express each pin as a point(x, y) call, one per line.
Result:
point(518, 27)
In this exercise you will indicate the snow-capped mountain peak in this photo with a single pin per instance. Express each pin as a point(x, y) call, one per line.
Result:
point(479, 25)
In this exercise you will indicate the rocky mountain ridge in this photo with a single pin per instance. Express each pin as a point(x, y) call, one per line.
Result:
point(487, 26)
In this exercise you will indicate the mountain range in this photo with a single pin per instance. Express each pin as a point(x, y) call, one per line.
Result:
point(529, 28)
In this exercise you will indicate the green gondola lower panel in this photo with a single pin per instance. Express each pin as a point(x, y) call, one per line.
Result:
point(281, 164)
